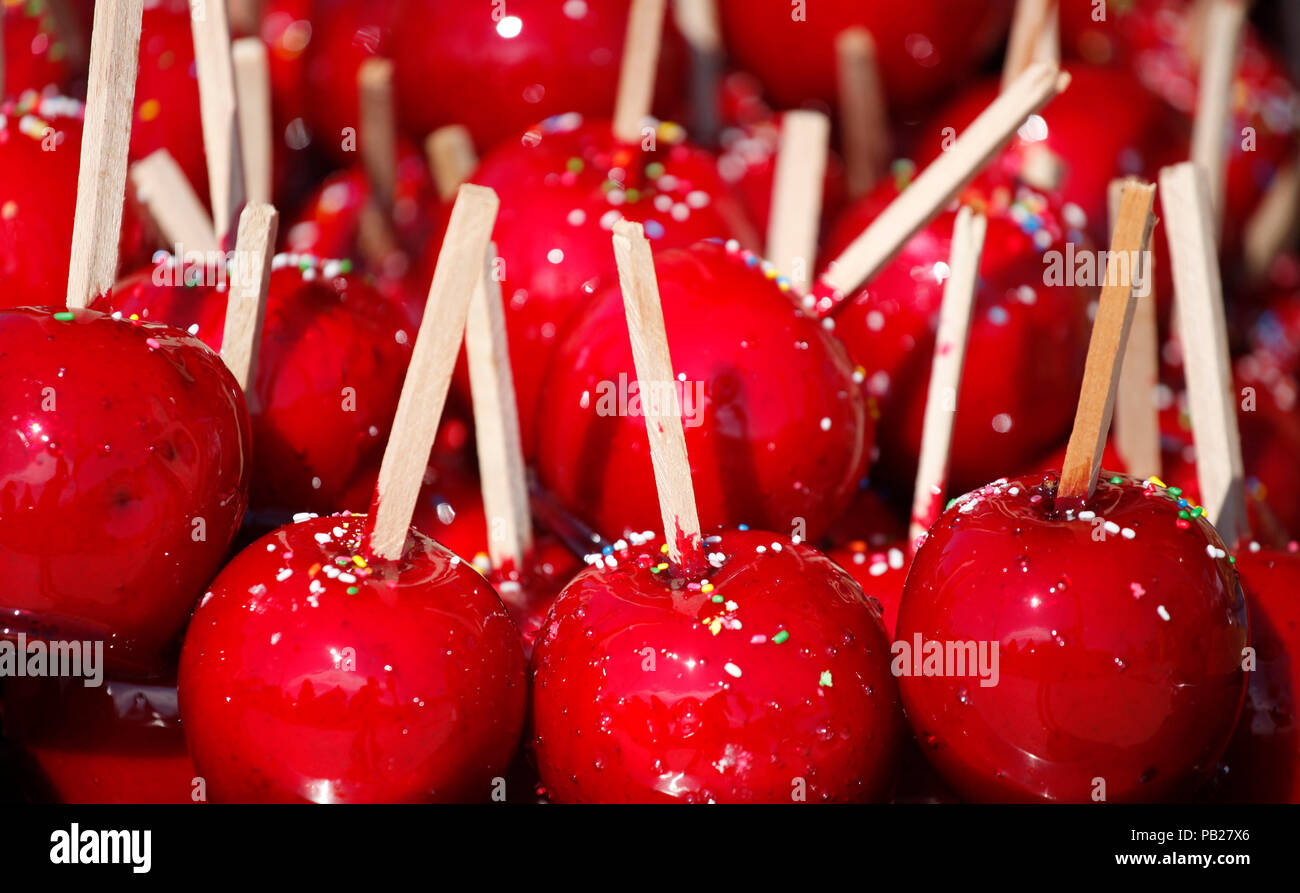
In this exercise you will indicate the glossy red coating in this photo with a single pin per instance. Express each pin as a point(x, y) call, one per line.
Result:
point(562, 189)
point(34, 55)
point(307, 676)
point(1120, 638)
point(1263, 760)
point(167, 92)
point(124, 471)
point(1154, 39)
point(1028, 339)
point(40, 155)
point(494, 68)
point(333, 356)
point(529, 592)
point(117, 743)
point(922, 48)
point(763, 679)
point(880, 571)
point(1142, 134)
point(777, 431)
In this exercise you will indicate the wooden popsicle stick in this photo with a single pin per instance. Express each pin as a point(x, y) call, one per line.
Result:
point(218, 105)
point(1035, 37)
point(161, 188)
point(1130, 239)
point(253, 92)
point(698, 22)
point(1198, 289)
point(378, 129)
point(451, 156)
point(945, 370)
point(939, 183)
point(1274, 225)
point(1225, 23)
point(1137, 418)
point(863, 115)
point(424, 392)
point(105, 139)
point(797, 188)
point(660, 402)
point(496, 423)
point(636, 79)
point(246, 305)
point(2, 50)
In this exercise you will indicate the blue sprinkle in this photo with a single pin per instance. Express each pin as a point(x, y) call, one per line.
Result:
point(654, 229)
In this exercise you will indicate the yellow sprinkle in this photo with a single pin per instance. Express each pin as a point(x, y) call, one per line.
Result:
point(715, 626)
point(664, 548)
point(707, 587)
point(9, 210)
point(149, 109)
point(662, 566)
point(1155, 480)
point(358, 561)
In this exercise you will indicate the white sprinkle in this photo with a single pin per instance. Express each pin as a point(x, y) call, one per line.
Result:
point(1086, 515)
point(1164, 615)
point(826, 423)
point(732, 670)
point(1128, 533)
point(284, 574)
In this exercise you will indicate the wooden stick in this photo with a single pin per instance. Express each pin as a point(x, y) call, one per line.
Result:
point(253, 91)
point(162, 189)
point(2, 50)
point(378, 129)
point(660, 401)
point(636, 80)
point(246, 306)
point(1225, 23)
point(105, 139)
point(1137, 419)
point(939, 183)
point(698, 22)
point(1198, 289)
point(424, 393)
point(1131, 239)
point(1273, 226)
point(1035, 37)
point(862, 110)
point(945, 370)
point(797, 195)
point(218, 105)
point(450, 151)
point(496, 424)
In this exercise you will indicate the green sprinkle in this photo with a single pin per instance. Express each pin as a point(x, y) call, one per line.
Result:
point(1197, 512)
point(345, 266)
point(574, 165)
point(655, 570)
point(1232, 559)
point(352, 590)
point(780, 637)
point(717, 599)
point(654, 170)
point(825, 681)
point(634, 195)
point(64, 316)
point(1117, 480)
point(951, 503)
point(1175, 491)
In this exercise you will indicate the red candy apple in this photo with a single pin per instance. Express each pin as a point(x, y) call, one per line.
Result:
point(1027, 340)
point(117, 743)
point(923, 48)
point(1263, 760)
point(778, 431)
point(563, 187)
point(123, 477)
point(35, 57)
point(331, 363)
point(1120, 632)
point(40, 155)
point(167, 92)
point(316, 671)
point(494, 68)
point(763, 676)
